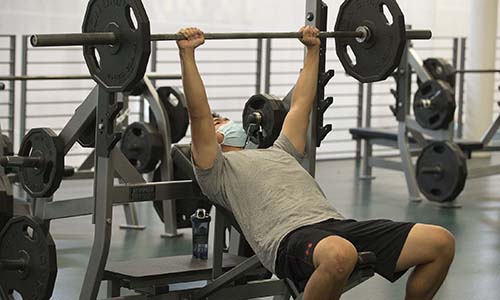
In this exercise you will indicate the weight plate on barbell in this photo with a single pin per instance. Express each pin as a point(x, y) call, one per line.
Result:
point(273, 113)
point(441, 171)
point(118, 67)
point(434, 105)
point(26, 238)
point(376, 58)
point(44, 180)
point(142, 145)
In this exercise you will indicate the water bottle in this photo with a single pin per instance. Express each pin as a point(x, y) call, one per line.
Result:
point(200, 221)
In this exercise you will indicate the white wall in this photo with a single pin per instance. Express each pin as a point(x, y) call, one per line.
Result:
point(445, 17)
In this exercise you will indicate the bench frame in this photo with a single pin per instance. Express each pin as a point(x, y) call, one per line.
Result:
point(411, 137)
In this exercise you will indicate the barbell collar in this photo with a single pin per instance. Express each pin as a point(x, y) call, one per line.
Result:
point(111, 38)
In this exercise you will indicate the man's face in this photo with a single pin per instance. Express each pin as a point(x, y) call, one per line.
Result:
point(219, 121)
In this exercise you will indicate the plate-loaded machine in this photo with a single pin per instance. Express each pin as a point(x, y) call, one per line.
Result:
point(440, 171)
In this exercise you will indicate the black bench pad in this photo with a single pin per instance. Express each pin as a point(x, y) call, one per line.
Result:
point(171, 269)
point(370, 133)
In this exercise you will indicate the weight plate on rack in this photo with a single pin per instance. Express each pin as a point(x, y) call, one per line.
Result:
point(178, 118)
point(434, 105)
point(27, 239)
point(441, 171)
point(45, 180)
point(143, 146)
point(273, 113)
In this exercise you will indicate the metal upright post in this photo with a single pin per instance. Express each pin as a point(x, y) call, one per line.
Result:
point(106, 139)
point(454, 58)
point(130, 209)
point(366, 171)
point(359, 118)
point(461, 87)
point(24, 92)
point(12, 87)
point(316, 15)
point(267, 78)
point(403, 111)
point(258, 70)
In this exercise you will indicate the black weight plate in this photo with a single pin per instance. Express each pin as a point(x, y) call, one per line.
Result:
point(87, 136)
point(447, 184)
point(143, 146)
point(119, 67)
point(441, 69)
point(43, 181)
point(183, 209)
point(25, 237)
point(139, 88)
point(175, 105)
point(273, 114)
point(434, 105)
point(377, 57)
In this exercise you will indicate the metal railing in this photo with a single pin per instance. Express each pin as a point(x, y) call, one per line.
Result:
point(7, 96)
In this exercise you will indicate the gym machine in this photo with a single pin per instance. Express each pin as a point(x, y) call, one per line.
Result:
point(441, 171)
point(117, 32)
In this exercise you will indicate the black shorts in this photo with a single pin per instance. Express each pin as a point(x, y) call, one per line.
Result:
point(383, 237)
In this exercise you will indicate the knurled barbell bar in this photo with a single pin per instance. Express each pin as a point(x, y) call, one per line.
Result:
point(370, 38)
point(362, 34)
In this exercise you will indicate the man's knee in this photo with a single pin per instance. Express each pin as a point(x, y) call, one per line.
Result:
point(443, 242)
point(335, 257)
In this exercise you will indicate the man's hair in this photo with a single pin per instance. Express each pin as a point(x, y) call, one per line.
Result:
point(216, 115)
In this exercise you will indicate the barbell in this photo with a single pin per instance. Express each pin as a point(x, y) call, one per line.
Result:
point(370, 39)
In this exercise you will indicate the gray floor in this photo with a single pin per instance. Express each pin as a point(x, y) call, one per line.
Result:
point(474, 275)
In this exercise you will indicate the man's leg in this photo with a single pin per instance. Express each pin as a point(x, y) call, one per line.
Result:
point(431, 250)
point(334, 260)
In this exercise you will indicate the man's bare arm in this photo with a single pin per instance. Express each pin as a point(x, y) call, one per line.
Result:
point(297, 120)
point(204, 144)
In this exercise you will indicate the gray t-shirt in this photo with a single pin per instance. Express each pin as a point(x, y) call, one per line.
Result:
point(269, 193)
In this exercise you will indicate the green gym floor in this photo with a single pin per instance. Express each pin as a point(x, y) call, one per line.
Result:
point(475, 273)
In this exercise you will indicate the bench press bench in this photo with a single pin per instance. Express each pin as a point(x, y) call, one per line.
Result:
point(239, 275)
point(386, 135)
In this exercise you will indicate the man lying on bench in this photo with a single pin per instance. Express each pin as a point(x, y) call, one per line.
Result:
point(282, 211)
